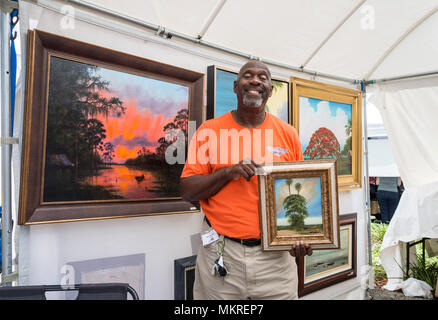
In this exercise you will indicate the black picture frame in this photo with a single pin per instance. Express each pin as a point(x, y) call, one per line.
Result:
point(184, 270)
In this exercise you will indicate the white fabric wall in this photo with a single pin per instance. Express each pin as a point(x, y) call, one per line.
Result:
point(44, 249)
point(410, 113)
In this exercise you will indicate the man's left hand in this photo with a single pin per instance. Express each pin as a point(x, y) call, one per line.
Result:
point(300, 248)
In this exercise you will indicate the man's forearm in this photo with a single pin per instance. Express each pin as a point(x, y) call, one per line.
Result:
point(201, 187)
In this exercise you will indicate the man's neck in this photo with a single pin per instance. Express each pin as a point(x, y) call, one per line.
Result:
point(249, 119)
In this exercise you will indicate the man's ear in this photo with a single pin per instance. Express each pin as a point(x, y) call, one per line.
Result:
point(235, 86)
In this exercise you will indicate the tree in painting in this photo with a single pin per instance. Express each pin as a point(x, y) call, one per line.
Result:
point(296, 208)
point(323, 145)
point(76, 95)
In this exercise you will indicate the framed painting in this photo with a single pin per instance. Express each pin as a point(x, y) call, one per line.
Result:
point(329, 122)
point(184, 270)
point(328, 267)
point(97, 127)
point(299, 201)
point(222, 99)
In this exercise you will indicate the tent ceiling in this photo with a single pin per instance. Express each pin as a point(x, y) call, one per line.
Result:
point(289, 31)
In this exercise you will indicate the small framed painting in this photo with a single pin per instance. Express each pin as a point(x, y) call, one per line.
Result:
point(299, 201)
point(327, 267)
point(328, 119)
point(184, 269)
point(222, 99)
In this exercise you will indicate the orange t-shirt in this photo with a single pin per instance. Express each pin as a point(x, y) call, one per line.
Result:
point(221, 142)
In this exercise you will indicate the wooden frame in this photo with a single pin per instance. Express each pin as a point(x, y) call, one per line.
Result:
point(287, 217)
point(335, 274)
point(41, 47)
point(184, 271)
point(350, 159)
point(212, 73)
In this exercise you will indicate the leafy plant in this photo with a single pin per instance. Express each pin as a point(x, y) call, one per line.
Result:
point(425, 270)
point(378, 231)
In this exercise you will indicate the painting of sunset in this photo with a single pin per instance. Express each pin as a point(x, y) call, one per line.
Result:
point(107, 134)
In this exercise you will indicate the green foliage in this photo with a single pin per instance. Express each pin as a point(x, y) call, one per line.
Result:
point(378, 231)
point(296, 210)
point(425, 270)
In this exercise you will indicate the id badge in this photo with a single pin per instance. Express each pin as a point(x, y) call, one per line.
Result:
point(209, 236)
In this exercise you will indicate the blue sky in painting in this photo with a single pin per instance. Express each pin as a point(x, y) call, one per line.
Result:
point(226, 99)
point(316, 113)
point(311, 191)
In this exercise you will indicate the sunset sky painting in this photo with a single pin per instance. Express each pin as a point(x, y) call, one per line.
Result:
point(150, 105)
point(106, 134)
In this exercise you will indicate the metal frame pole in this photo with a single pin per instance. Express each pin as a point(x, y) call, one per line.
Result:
point(369, 255)
point(6, 148)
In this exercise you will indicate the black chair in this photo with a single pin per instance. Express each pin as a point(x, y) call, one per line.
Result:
point(99, 291)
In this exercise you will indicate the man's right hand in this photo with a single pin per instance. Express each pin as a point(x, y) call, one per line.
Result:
point(245, 169)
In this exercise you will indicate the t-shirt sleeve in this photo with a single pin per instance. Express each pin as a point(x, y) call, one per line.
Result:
point(295, 144)
point(197, 160)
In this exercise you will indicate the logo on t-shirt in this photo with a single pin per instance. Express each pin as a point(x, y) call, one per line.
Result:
point(277, 150)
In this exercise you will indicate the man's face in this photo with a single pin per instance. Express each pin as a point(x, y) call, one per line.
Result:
point(253, 86)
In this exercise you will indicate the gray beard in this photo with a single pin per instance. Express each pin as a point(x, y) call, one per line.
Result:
point(252, 102)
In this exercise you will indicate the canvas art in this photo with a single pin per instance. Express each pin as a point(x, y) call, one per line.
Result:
point(98, 128)
point(326, 131)
point(107, 135)
point(327, 267)
point(299, 207)
point(222, 99)
point(299, 201)
point(328, 119)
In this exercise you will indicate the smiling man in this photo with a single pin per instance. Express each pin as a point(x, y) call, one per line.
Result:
point(220, 170)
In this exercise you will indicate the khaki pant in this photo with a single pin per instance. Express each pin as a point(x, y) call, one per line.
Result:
point(252, 274)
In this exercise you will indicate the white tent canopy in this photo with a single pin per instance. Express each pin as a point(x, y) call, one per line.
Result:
point(361, 39)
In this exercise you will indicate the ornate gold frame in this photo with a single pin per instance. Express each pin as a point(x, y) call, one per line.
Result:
point(326, 170)
point(328, 92)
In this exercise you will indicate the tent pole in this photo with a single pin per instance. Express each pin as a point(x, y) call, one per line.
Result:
point(166, 33)
point(408, 76)
point(368, 254)
point(6, 147)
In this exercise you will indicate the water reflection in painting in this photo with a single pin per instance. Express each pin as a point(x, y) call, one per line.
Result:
point(107, 134)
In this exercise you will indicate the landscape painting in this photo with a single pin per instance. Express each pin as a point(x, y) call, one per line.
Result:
point(107, 134)
point(323, 263)
point(328, 267)
point(298, 206)
point(326, 132)
point(226, 99)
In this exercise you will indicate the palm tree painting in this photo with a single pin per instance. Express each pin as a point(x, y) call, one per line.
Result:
point(226, 100)
point(326, 131)
point(298, 206)
point(107, 133)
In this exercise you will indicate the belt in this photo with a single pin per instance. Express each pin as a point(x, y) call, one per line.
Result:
point(245, 242)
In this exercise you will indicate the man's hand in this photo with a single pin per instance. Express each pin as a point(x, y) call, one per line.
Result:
point(301, 248)
point(245, 169)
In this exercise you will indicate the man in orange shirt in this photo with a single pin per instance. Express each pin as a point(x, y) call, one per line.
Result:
point(224, 155)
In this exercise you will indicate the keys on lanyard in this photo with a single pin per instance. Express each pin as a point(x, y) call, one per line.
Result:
point(218, 266)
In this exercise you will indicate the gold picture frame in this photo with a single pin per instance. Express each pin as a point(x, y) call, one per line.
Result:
point(309, 213)
point(321, 109)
